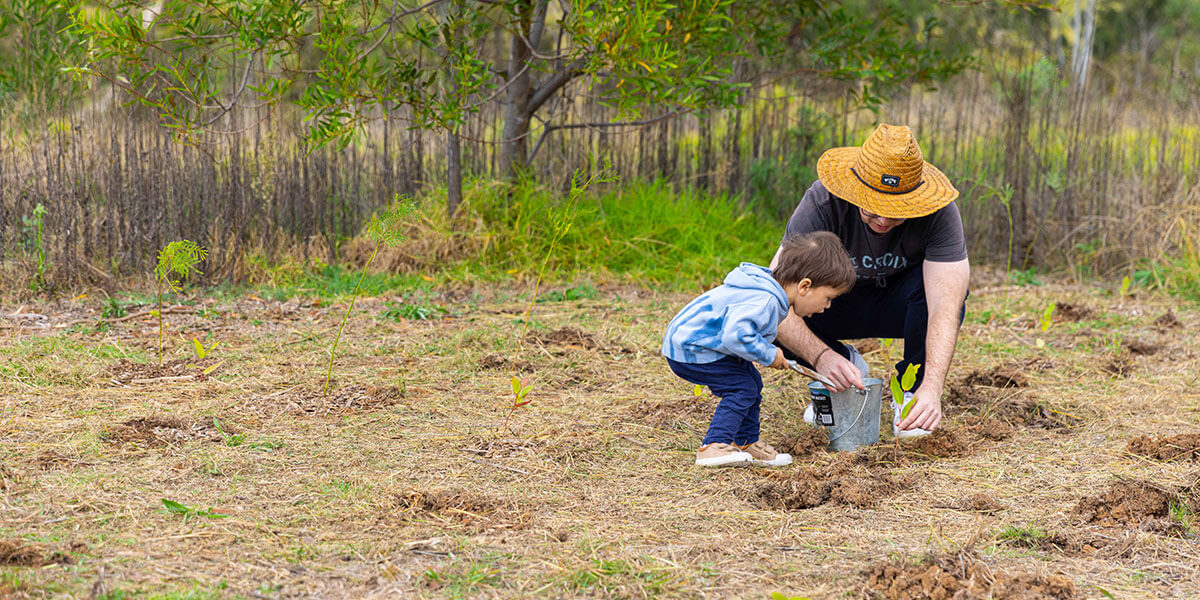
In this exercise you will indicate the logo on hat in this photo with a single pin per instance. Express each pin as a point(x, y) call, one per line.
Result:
point(890, 180)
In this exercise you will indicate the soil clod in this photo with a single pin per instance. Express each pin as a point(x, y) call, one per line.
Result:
point(1176, 447)
point(462, 508)
point(999, 377)
point(1125, 503)
point(682, 412)
point(809, 440)
point(1067, 311)
point(570, 337)
point(1168, 320)
point(1139, 347)
point(839, 483)
point(15, 553)
point(156, 431)
point(496, 361)
point(961, 577)
point(1120, 365)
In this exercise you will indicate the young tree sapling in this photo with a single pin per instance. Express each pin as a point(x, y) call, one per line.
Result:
point(179, 258)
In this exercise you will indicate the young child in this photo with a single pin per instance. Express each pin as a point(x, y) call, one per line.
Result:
point(717, 337)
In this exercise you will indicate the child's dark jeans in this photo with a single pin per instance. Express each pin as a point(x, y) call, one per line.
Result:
point(737, 382)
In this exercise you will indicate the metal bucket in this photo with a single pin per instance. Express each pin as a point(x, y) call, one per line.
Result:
point(851, 417)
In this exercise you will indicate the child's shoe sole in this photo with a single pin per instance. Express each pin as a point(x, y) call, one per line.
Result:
point(780, 460)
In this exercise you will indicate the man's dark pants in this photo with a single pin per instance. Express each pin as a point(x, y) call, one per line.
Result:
point(895, 309)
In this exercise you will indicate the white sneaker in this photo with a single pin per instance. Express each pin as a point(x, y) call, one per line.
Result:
point(722, 455)
point(863, 368)
point(904, 434)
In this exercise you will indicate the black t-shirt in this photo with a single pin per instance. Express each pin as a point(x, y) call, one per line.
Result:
point(937, 237)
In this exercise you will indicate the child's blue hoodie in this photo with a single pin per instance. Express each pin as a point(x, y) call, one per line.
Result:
point(739, 318)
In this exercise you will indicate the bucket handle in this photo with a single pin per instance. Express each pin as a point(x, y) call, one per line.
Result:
point(861, 408)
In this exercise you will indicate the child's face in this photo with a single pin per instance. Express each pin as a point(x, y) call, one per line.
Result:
point(809, 300)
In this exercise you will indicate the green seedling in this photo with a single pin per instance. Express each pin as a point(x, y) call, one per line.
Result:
point(201, 351)
point(178, 258)
point(905, 384)
point(1047, 317)
point(112, 309)
point(1125, 282)
point(886, 344)
point(34, 226)
point(698, 390)
point(385, 229)
point(779, 596)
point(412, 312)
point(520, 390)
point(188, 512)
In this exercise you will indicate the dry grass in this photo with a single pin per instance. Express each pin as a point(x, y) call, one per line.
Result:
point(402, 482)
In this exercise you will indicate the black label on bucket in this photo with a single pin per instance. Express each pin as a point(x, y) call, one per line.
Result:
point(822, 407)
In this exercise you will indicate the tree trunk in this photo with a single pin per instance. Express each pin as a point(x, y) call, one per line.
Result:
point(513, 145)
point(453, 172)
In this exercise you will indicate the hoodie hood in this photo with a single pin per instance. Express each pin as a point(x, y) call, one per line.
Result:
point(749, 276)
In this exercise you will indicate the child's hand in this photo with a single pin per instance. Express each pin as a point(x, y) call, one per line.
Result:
point(780, 362)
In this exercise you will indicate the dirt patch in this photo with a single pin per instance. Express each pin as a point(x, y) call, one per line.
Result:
point(342, 400)
point(1120, 365)
point(125, 372)
point(496, 361)
point(1067, 544)
point(982, 503)
point(985, 405)
point(689, 412)
point(155, 431)
point(15, 553)
point(998, 377)
point(841, 482)
point(1139, 347)
point(1128, 503)
point(1176, 447)
point(960, 576)
point(502, 447)
point(462, 508)
point(570, 337)
point(991, 429)
point(809, 440)
point(1067, 311)
point(51, 460)
point(944, 442)
point(1168, 320)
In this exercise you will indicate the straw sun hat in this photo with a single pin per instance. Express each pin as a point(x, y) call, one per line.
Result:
point(886, 176)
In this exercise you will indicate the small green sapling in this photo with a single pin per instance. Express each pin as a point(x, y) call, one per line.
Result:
point(385, 229)
point(179, 258)
point(905, 384)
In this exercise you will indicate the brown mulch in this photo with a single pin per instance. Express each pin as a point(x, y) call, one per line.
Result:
point(125, 371)
point(462, 508)
point(961, 576)
point(1185, 446)
point(16, 553)
point(162, 430)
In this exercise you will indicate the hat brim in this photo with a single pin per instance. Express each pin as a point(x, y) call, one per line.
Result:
point(833, 169)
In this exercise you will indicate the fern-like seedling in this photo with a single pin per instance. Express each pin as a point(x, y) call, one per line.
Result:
point(178, 258)
point(384, 229)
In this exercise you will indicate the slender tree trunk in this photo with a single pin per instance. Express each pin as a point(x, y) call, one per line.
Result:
point(513, 145)
point(453, 173)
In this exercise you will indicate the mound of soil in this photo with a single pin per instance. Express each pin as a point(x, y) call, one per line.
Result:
point(1168, 320)
point(999, 377)
point(1176, 447)
point(1139, 347)
point(162, 430)
point(1067, 544)
point(130, 372)
point(809, 440)
point(982, 503)
point(462, 508)
point(570, 337)
point(989, 404)
point(944, 442)
point(960, 577)
point(1126, 503)
point(15, 553)
point(341, 400)
point(990, 429)
point(1120, 365)
point(496, 361)
point(682, 412)
point(839, 483)
point(1066, 311)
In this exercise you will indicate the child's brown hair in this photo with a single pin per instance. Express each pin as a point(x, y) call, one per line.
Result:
point(818, 256)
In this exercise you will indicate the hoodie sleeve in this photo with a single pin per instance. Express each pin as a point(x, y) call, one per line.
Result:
point(743, 335)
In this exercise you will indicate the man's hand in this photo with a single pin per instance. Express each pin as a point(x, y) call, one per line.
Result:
point(926, 412)
point(780, 362)
point(840, 371)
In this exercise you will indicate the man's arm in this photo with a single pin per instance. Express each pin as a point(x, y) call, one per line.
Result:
point(798, 338)
point(945, 291)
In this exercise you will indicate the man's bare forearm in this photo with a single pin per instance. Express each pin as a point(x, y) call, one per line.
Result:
point(946, 289)
point(797, 337)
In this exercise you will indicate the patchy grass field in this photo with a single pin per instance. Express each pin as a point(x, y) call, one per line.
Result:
point(1067, 466)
